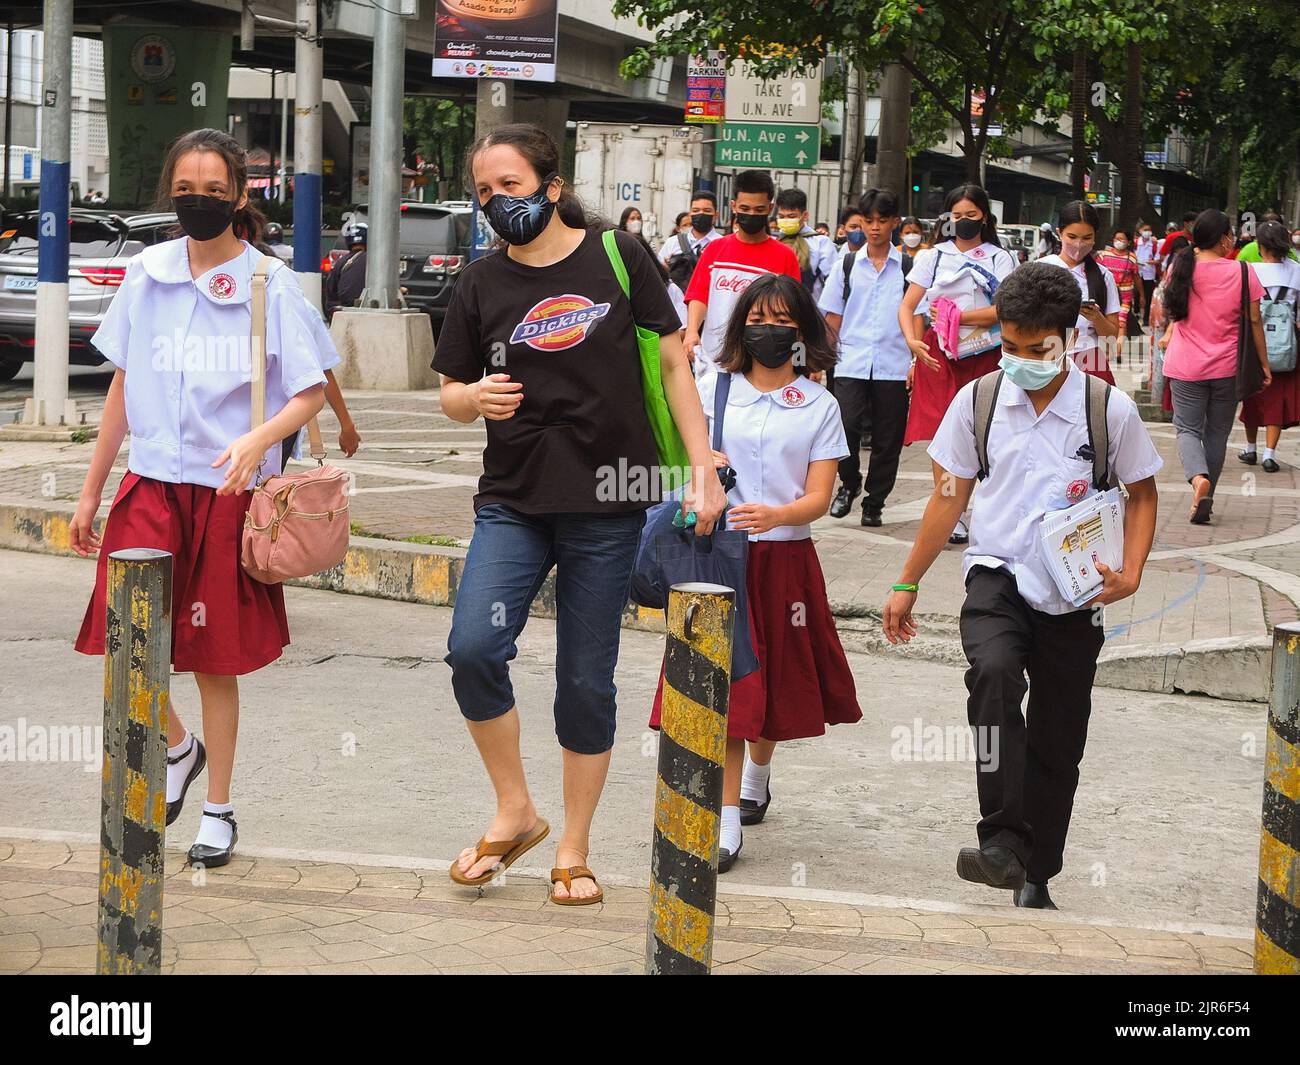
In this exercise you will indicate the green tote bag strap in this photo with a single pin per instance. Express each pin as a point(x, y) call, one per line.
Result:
point(674, 465)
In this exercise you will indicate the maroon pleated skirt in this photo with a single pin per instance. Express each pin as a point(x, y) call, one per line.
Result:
point(1278, 404)
point(803, 682)
point(223, 621)
point(933, 390)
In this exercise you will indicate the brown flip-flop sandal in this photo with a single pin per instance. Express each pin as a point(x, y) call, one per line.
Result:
point(509, 851)
point(569, 875)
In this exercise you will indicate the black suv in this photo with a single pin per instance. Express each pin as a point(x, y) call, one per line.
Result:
point(434, 244)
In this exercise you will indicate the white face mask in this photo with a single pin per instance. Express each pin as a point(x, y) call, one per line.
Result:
point(1121, 244)
point(634, 226)
point(911, 239)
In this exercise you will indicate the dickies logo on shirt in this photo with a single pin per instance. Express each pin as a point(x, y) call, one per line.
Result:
point(792, 396)
point(222, 286)
point(558, 322)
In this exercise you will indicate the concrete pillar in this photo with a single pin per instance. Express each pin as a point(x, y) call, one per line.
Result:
point(494, 105)
point(895, 120)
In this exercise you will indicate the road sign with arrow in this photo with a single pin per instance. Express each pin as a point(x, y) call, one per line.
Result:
point(767, 145)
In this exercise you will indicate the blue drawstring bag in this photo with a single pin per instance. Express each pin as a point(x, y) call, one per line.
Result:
point(669, 554)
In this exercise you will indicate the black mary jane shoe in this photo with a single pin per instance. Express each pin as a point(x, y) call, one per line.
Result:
point(174, 808)
point(752, 811)
point(843, 502)
point(212, 857)
point(995, 866)
point(726, 859)
point(1034, 897)
point(1270, 466)
point(1248, 457)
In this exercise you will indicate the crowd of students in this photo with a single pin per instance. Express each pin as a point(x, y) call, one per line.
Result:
point(883, 332)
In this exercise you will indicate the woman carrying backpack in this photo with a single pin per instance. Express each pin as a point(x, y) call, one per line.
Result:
point(1278, 406)
point(540, 340)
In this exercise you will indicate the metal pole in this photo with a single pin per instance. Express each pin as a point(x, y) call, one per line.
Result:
point(49, 402)
point(308, 63)
point(1277, 911)
point(382, 285)
point(137, 677)
point(283, 196)
point(9, 101)
point(688, 792)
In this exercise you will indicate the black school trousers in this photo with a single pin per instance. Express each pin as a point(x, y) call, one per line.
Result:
point(878, 410)
point(1026, 789)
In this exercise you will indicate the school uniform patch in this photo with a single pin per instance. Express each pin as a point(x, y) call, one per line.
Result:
point(792, 396)
point(222, 286)
point(558, 322)
point(1076, 490)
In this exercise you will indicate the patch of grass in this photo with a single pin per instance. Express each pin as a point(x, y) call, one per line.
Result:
point(81, 435)
point(357, 529)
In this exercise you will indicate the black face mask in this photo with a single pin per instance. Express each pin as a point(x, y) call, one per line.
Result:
point(969, 228)
point(702, 223)
point(203, 217)
point(520, 219)
point(752, 223)
point(771, 345)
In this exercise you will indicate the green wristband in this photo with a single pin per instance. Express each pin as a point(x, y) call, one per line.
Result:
point(905, 587)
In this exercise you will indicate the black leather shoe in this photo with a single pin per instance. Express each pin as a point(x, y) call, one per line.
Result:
point(752, 811)
point(843, 501)
point(959, 538)
point(1248, 457)
point(995, 866)
point(212, 857)
point(726, 859)
point(1270, 466)
point(174, 808)
point(871, 518)
point(1034, 897)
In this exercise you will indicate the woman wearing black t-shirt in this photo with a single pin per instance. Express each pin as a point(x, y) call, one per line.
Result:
point(540, 340)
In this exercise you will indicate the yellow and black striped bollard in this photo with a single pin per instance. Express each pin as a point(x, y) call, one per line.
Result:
point(1277, 912)
point(137, 678)
point(688, 792)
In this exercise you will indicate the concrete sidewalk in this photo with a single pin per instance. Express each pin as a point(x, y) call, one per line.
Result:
point(265, 914)
point(1200, 622)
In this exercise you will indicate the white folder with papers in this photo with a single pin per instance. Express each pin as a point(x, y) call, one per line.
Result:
point(1074, 540)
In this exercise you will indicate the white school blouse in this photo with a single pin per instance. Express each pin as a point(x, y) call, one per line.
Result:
point(1086, 339)
point(186, 346)
point(771, 437)
point(1034, 467)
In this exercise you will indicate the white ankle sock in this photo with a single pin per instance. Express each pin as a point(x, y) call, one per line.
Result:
point(1249, 449)
point(753, 781)
point(1269, 452)
point(961, 528)
point(178, 771)
point(729, 838)
point(212, 832)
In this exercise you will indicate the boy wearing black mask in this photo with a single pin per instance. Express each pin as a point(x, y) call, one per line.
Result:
point(728, 266)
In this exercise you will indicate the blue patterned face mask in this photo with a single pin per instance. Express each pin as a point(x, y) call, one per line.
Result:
point(520, 219)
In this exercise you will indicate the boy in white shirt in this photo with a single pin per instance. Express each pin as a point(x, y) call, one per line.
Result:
point(1038, 458)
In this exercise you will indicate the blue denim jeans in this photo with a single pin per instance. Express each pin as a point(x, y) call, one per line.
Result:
point(509, 557)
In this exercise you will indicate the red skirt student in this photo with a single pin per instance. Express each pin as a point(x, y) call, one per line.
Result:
point(934, 390)
point(803, 682)
point(223, 621)
point(1278, 404)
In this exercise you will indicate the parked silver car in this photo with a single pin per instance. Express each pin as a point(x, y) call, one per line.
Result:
point(100, 246)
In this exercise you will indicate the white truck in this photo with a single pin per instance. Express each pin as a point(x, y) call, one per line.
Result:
point(651, 168)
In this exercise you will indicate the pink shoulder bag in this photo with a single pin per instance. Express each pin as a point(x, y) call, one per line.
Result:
point(295, 526)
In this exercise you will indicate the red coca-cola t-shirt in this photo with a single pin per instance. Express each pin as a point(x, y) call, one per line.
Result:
point(725, 270)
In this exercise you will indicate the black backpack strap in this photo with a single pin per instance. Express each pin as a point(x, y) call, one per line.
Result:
point(985, 398)
point(684, 244)
point(849, 259)
point(720, 394)
point(907, 269)
point(1096, 400)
